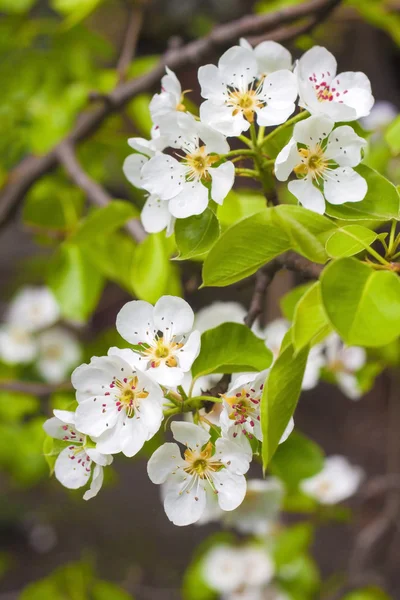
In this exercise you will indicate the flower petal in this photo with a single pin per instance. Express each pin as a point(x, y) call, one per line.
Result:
point(192, 200)
point(344, 146)
point(319, 63)
point(238, 67)
point(155, 215)
point(235, 453)
point(173, 316)
point(307, 194)
point(184, 504)
point(166, 459)
point(190, 435)
point(355, 91)
point(132, 168)
point(72, 468)
point(223, 178)
point(345, 185)
point(288, 430)
point(190, 351)
point(135, 322)
point(286, 160)
point(221, 118)
point(313, 130)
point(164, 176)
point(272, 57)
point(231, 489)
point(96, 483)
point(211, 84)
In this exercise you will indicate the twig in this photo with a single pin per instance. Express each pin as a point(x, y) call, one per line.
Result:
point(34, 387)
point(33, 168)
point(95, 192)
point(264, 277)
point(294, 262)
point(130, 40)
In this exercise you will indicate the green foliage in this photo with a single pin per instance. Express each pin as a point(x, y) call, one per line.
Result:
point(349, 240)
point(16, 6)
point(238, 204)
point(195, 235)
point(392, 136)
point(21, 451)
point(231, 348)
point(289, 301)
point(103, 221)
point(310, 323)
point(14, 406)
point(280, 395)
point(367, 593)
point(298, 458)
point(368, 313)
point(291, 543)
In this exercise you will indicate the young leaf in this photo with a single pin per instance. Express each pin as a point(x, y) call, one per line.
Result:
point(392, 136)
point(151, 268)
point(309, 320)
point(349, 240)
point(243, 249)
point(231, 348)
point(362, 304)
point(238, 204)
point(381, 203)
point(280, 395)
point(195, 235)
point(103, 221)
point(298, 458)
point(289, 301)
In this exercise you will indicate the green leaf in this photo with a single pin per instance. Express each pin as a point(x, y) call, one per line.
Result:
point(151, 268)
point(243, 249)
point(103, 221)
point(296, 459)
point(305, 229)
point(292, 542)
point(280, 395)
point(14, 406)
point(75, 10)
point(349, 240)
point(76, 285)
point(238, 204)
point(381, 203)
point(231, 348)
point(195, 235)
point(310, 322)
point(289, 301)
point(362, 304)
point(52, 204)
point(392, 136)
point(138, 110)
point(104, 590)
point(367, 593)
point(16, 6)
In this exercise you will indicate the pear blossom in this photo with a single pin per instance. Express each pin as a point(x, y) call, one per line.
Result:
point(322, 158)
point(58, 352)
point(164, 347)
point(337, 481)
point(381, 115)
point(241, 413)
point(169, 100)
point(155, 215)
point(344, 362)
point(270, 57)
point(238, 572)
point(80, 461)
point(32, 309)
point(118, 406)
point(258, 513)
point(17, 346)
point(182, 183)
point(236, 95)
point(343, 97)
point(218, 313)
point(206, 469)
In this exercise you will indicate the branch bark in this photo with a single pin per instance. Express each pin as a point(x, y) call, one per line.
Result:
point(264, 277)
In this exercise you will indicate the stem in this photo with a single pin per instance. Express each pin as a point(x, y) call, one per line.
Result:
point(299, 117)
point(260, 137)
point(247, 173)
point(378, 257)
point(392, 237)
point(245, 140)
point(240, 152)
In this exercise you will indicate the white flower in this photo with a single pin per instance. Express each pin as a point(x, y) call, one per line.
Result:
point(343, 97)
point(163, 347)
point(206, 469)
point(33, 308)
point(119, 407)
point(182, 183)
point(258, 512)
point(155, 215)
point(381, 115)
point(218, 313)
point(16, 345)
point(323, 159)
point(270, 57)
point(169, 100)
point(315, 362)
point(58, 352)
point(344, 362)
point(241, 413)
point(337, 481)
point(235, 94)
point(237, 570)
point(74, 465)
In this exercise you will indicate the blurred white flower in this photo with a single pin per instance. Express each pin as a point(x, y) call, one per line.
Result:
point(344, 362)
point(32, 309)
point(80, 461)
point(218, 313)
point(381, 115)
point(337, 481)
point(16, 345)
point(58, 352)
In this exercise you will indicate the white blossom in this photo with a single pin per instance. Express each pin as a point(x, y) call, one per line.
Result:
point(218, 313)
point(80, 461)
point(344, 362)
point(205, 469)
point(118, 406)
point(343, 97)
point(32, 309)
point(270, 57)
point(337, 481)
point(236, 95)
point(381, 115)
point(323, 161)
point(181, 179)
point(169, 100)
point(58, 352)
point(164, 347)
point(17, 346)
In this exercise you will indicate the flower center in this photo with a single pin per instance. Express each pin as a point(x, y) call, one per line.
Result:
point(129, 395)
point(201, 464)
point(313, 161)
point(327, 92)
point(246, 102)
point(53, 352)
point(198, 164)
point(162, 352)
point(245, 409)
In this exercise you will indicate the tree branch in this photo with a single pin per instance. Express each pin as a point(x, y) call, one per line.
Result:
point(294, 262)
point(264, 277)
point(35, 388)
point(32, 168)
point(130, 40)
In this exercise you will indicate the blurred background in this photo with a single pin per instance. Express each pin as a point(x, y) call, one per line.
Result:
point(58, 58)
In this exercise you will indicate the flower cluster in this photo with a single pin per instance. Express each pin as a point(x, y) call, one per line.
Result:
point(29, 335)
point(187, 162)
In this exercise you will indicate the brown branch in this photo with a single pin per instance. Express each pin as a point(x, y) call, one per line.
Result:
point(130, 40)
point(264, 277)
point(35, 388)
point(294, 262)
point(95, 192)
point(33, 168)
